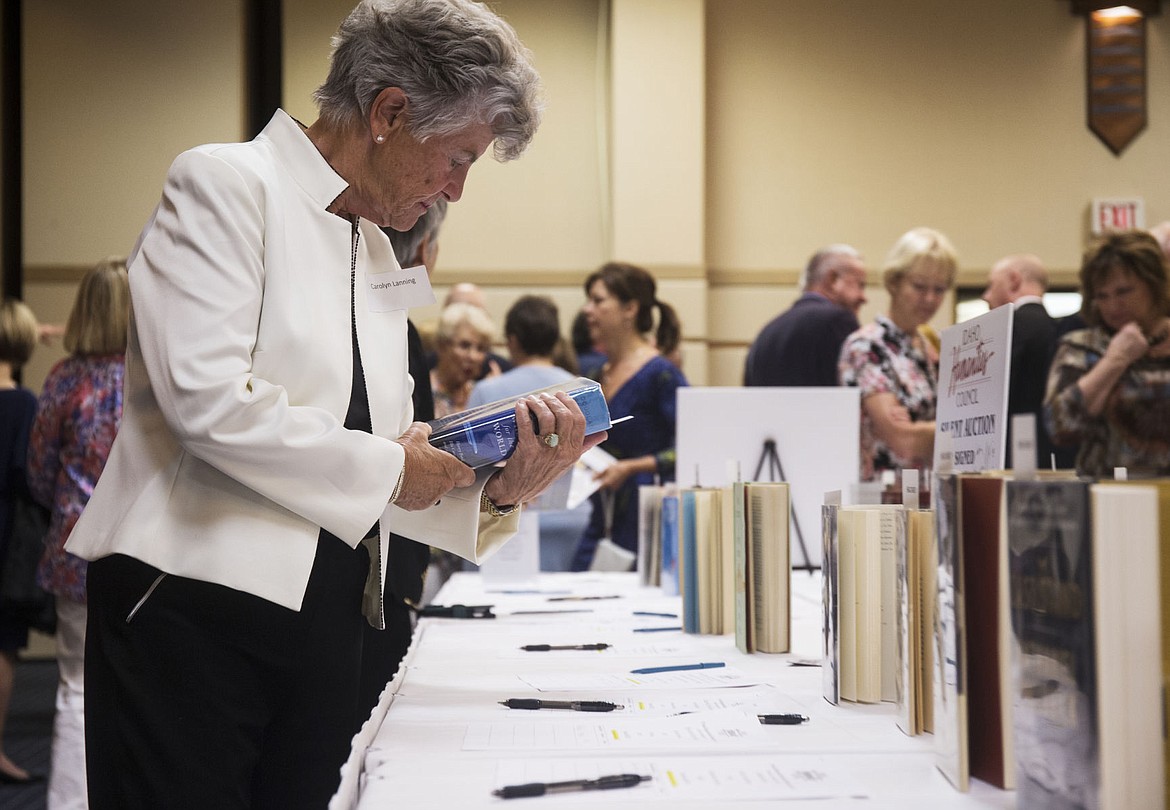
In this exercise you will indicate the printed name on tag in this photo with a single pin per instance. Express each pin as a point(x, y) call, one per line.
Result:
point(404, 289)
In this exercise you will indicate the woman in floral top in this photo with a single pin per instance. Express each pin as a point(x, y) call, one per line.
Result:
point(78, 414)
point(1109, 385)
point(890, 361)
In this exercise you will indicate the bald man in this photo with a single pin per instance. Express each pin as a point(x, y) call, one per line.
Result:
point(1021, 279)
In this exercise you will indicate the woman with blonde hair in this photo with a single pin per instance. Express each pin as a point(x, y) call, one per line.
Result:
point(78, 414)
point(461, 345)
point(892, 363)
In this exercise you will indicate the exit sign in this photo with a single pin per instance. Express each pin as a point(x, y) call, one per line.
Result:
point(1118, 214)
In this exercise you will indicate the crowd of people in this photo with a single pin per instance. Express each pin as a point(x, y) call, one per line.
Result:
point(1096, 382)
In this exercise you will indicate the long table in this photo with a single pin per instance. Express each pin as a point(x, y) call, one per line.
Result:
point(439, 737)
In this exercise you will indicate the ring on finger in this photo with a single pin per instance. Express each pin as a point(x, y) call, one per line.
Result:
point(551, 439)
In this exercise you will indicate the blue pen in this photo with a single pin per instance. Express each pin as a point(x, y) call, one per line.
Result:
point(654, 629)
point(651, 613)
point(677, 668)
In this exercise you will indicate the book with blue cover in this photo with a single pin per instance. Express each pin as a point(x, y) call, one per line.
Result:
point(486, 434)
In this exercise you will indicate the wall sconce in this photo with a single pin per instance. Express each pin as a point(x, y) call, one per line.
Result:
point(1115, 68)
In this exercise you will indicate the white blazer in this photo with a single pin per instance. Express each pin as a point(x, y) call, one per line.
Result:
point(232, 452)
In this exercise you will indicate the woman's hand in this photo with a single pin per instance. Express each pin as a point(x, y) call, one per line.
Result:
point(428, 473)
point(1125, 348)
point(1128, 345)
point(892, 425)
point(538, 460)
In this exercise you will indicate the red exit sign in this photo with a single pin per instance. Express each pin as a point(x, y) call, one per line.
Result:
point(1117, 214)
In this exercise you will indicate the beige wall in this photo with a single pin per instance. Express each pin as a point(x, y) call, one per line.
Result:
point(718, 142)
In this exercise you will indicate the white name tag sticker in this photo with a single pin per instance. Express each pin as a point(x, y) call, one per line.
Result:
point(404, 289)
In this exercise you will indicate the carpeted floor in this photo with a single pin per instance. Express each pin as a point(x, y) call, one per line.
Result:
point(29, 729)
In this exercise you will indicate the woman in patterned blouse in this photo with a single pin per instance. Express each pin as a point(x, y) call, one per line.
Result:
point(78, 414)
point(890, 361)
point(1109, 384)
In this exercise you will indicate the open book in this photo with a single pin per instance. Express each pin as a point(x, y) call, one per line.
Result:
point(486, 434)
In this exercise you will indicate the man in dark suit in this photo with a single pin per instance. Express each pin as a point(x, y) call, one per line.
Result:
point(1021, 279)
point(801, 346)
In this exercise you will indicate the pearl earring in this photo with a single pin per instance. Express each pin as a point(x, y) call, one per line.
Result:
point(380, 138)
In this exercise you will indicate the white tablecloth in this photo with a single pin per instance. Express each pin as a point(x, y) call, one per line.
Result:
point(416, 749)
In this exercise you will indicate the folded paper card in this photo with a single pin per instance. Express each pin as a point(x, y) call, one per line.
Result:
point(486, 434)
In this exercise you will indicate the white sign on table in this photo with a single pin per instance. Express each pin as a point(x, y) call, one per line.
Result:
point(815, 433)
point(974, 366)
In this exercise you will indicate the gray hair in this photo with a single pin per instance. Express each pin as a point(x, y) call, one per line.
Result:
point(407, 243)
point(822, 262)
point(458, 63)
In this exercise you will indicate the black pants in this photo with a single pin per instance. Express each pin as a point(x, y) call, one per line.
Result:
point(213, 698)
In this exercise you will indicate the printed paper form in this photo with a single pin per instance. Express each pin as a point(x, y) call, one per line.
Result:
point(688, 679)
point(728, 727)
point(746, 778)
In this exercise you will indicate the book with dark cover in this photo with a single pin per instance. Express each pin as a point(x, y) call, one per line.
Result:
point(486, 434)
point(830, 633)
point(988, 629)
point(950, 673)
point(1083, 562)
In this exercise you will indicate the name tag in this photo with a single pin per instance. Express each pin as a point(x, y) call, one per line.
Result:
point(405, 289)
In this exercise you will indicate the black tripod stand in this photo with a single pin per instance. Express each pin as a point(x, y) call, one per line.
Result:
point(770, 455)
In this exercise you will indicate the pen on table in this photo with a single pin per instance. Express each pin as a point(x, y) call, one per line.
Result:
point(654, 629)
point(547, 647)
point(677, 668)
point(652, 613)
point(581, 598)
point(547, 612)
point(782, 719)
point(572, 705)
point(623, 780)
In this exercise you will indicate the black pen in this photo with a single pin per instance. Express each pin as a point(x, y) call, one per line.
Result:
point(548, 612)
point(572, 705)
point(623, 780)
point(547, 647)
point(782, 719)
point(581, 598)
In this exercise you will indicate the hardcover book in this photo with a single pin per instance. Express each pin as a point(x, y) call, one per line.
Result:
point(760, 516)
point(916, 587)
point(830, 632)
point(1086, 644)
point(486, 434)
point(867, 539)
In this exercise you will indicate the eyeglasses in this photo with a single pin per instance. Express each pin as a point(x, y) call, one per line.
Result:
point(922, 288)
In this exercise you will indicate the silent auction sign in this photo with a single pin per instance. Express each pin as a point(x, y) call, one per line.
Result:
point(971, 415)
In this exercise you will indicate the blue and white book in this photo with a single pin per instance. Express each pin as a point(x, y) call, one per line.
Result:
point(486, 434)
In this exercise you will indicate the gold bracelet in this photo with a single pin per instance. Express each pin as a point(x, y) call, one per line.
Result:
point(398, 487)
point(487, 505)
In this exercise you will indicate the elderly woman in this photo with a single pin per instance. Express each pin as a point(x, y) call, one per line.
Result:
point(1109, 384)
point(890, 361)
point(267, 428)
point(462, 342)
